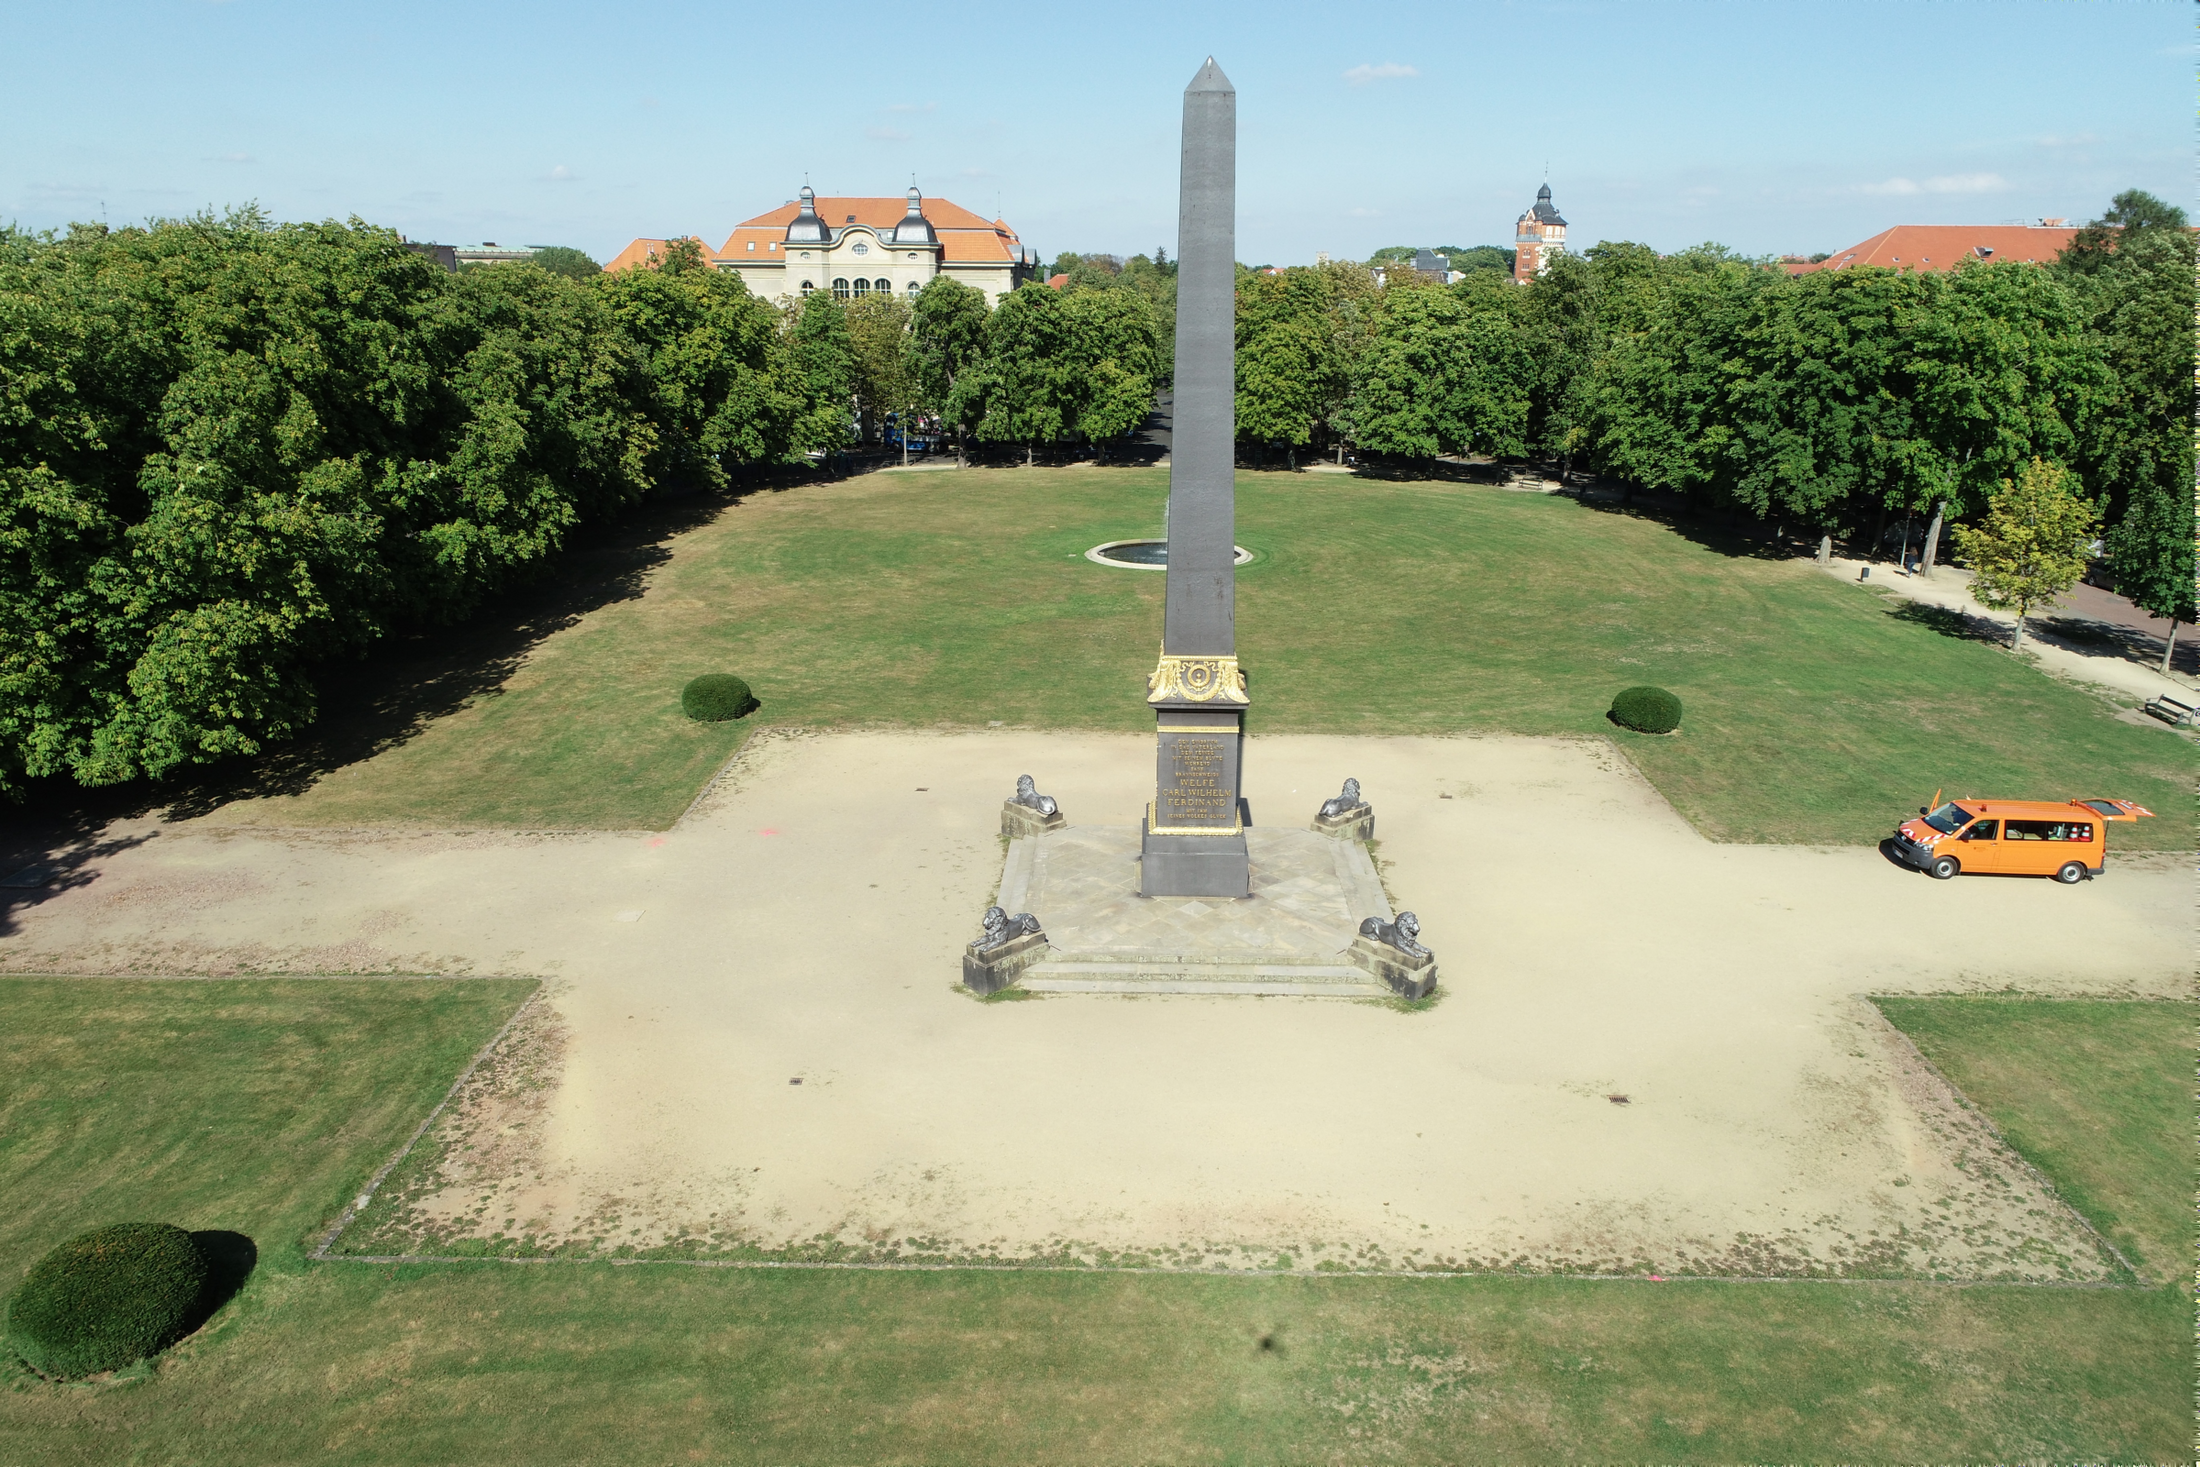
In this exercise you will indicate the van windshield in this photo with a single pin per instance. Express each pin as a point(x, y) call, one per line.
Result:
point(1948, 819)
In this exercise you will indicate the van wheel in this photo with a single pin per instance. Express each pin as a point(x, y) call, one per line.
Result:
point(1944, 867)
point(2072, 873)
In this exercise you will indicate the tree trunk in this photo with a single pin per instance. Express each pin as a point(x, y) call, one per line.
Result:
point(1825, 550)
point(2018, 640)
point(1340, 453)
point(962, 457)
point(2170, 647)
point(1031, 454)
point(1932, 541)
point(1879, 536)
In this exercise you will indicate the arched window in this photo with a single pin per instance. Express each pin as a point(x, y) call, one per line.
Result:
point(840, 290)
point(863, 287)
point(886, 287)
point(914, 290)
point(807, 287)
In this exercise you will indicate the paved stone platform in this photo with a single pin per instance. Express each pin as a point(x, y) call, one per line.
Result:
point(1289, 937)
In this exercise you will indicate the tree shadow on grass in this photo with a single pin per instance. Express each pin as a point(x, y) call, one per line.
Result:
point(1416, 470)
point(230, 1259)
point(1950, 622)
point(371, 705)
point(392, 697)
point(1730, 532)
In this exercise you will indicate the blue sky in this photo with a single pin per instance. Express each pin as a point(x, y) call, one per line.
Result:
point(1767, 126)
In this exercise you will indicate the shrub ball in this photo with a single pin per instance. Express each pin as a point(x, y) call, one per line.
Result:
point(716, 697)
point(109, 1297)
point(1647, 710)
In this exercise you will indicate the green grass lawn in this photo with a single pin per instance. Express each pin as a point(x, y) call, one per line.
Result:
point(952, 599)
point(259, 1106)
point(2078, 1086)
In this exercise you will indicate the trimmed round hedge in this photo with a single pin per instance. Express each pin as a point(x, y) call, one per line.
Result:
point(113, 1295)
point(715, 697)
point(1647, 710)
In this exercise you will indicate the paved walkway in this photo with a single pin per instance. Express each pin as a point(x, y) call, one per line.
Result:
point(2111, 665)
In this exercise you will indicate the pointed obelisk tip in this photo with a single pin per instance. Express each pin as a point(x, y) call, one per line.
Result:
point(1210, 79)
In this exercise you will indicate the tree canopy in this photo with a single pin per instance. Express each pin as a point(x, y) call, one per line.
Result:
point(565, 260)
point(234, 451)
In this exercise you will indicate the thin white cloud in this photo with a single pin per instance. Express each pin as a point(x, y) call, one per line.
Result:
point(1366, 72)
point(1947, 183)
point(561, 174)
point(914, 107)
point(886, 134)
point(235, 158)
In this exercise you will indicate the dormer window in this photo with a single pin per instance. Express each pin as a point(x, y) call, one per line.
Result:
point(851, 218)
point(752, 246)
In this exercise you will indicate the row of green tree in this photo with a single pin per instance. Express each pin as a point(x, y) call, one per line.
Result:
point(1825, 400)
point(232, 452)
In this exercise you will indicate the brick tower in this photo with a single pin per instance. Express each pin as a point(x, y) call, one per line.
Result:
point(1540, 234)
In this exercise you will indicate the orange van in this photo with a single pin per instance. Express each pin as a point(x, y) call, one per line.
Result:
point(2013, 837)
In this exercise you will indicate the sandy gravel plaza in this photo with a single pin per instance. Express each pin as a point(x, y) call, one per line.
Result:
point(805, 923)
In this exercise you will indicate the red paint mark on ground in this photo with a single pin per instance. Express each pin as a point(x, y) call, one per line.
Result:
point(767, 832)
point(656, 840)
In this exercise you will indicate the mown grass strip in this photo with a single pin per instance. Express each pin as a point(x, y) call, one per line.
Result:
point(260, 1105)
point(1815, 711)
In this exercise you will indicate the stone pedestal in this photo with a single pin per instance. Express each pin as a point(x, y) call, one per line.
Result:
point(1408, 977)
point(993, 970)
point(1289, 938)
point(1355, 824)
point(1018, 821)
point(1193, 838)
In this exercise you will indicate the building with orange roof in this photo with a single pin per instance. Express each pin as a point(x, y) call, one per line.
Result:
point(857, 247)
point(645, 253)
point(1944, 246)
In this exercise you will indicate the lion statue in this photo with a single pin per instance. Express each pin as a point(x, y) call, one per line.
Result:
point(1027, 793)
point(1344, 804)
point(1400, 934)
point(1001, 928)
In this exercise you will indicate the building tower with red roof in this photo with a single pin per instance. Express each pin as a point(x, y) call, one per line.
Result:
point(1540, 234)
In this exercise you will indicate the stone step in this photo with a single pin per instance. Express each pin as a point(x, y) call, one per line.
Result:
point(1205, 961)
point(1201, 969)
point(1304, 980)
point(1251, 988)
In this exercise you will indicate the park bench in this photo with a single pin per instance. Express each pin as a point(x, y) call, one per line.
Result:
point(2171, 710)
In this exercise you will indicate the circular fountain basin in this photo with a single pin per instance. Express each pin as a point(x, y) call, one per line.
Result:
point(1144, 554)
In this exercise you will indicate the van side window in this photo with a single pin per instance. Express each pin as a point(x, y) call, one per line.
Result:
point(2078, 830)
point(1984, 830)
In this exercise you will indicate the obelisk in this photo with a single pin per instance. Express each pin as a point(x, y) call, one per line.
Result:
point(1194, 838)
